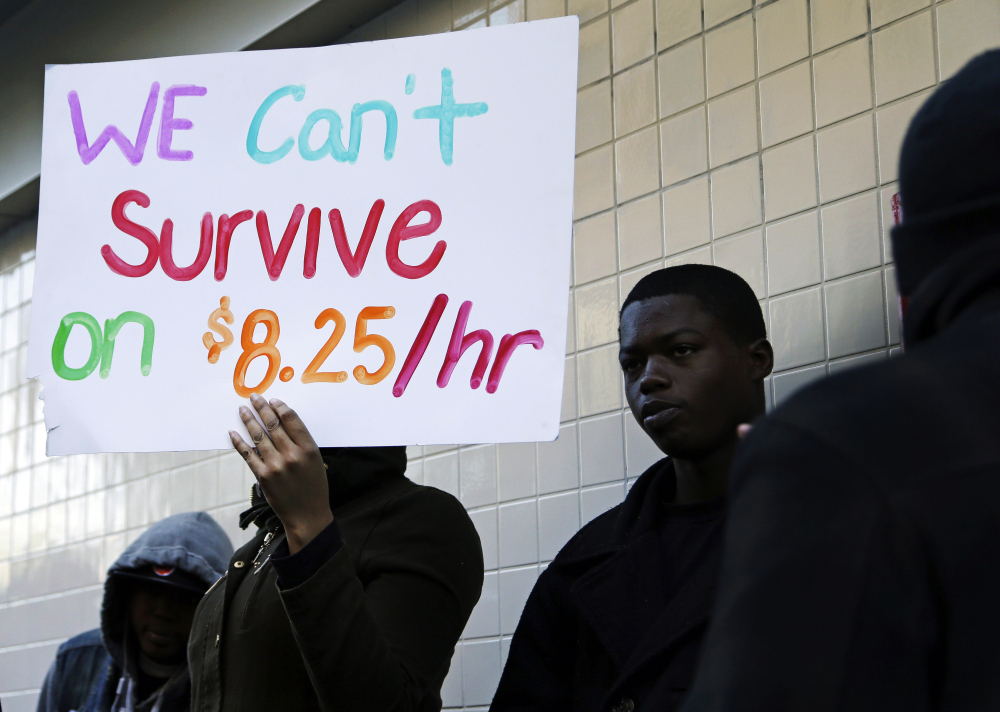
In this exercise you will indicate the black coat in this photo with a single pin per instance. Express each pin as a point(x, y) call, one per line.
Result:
point(373, 629)
point(862, 559)
point(596, 632)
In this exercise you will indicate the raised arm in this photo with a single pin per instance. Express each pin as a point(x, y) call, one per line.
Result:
point(379, 646)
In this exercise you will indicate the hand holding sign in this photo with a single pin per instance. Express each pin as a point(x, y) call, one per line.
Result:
point(288, 468)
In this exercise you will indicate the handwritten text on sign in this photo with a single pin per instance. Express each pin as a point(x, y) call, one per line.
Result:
point(453, 154)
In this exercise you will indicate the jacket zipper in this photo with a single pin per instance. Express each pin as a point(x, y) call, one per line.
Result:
point(255, 589)
point(250, 600)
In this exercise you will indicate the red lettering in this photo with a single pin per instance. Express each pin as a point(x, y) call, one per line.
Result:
point(312, 243)
point(226, 226)
point(139, 232)
point(420, 344)
point(402, 230)
point(507, 345)
point(355, 262)
point(276, 262)
point(160, 249)
point(460, 341)
point(166, 251)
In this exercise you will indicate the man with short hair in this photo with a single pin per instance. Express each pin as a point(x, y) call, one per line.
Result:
point(137, 659)
point(616, 620)
point(861, 565)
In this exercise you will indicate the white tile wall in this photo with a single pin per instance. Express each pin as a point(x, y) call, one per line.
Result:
point(635, 98)
point(682, 72)
point(676, 20)
point(639, 232)
point(785, 175)
point(851, 236)
point(744, 255)
point(964, 29)
point(786, 109)
point(793, 254)
point(789, 178)
point(717, 11)
point(684, 146)
point(834, 21)
point(843, 82)
point(732, 126)
point(736, 197)
point(730, 56)
point(904, 57)
point(633, 38)
point(782, 34)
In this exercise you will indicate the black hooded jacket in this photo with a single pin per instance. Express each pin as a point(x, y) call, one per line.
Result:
point(860, 569)
point(98, 671)
point(364, 617)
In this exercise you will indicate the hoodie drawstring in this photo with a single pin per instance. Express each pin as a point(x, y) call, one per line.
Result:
point(129, 696)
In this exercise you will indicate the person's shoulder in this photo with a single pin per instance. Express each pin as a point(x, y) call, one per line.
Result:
point(85, 649)
point(423, 513)
point(593, 538)
point(856, 402)
point(845, 389)
point(89, 639)
point(427, 499)
point(424, 527)
point(597, 536)
point(949, 367)
point(865, 421)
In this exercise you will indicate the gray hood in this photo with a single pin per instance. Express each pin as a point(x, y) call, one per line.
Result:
point(193, 542)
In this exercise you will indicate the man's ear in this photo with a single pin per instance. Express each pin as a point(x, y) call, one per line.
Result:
point(761, 359)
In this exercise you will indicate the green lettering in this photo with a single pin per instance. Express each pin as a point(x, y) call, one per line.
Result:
point(111, 329)
point(59, 346)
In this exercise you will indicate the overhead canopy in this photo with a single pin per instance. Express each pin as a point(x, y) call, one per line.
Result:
point(34, 33)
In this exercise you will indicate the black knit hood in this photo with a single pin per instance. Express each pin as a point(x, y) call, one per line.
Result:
point(351, 471)
point(949, 173)
point(947, 249)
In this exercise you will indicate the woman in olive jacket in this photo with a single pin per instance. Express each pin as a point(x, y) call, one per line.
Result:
point(354, 591)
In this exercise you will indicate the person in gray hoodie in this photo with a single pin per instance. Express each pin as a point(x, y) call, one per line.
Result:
point(137, 660)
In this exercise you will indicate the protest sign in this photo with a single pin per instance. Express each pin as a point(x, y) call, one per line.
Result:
point(377, 233)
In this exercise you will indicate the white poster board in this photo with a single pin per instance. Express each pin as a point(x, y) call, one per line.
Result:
point(236, 189)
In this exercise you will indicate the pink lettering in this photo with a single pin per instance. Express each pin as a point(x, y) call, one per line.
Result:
point(185, 274)
point(460, 341)
point(276, 262)
point(141, 233)
point(312, 243)
point(226, 226)
point(507, 345)
point(402, 230)
point(420, 344)
point(354, 263)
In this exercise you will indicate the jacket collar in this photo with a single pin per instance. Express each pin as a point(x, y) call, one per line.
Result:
point(631, 579)
point(638, 514)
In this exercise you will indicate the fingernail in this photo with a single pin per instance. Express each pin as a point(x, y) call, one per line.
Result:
point(275, 402)
point(232, 434)
point(244, 410)
point(255, 398)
